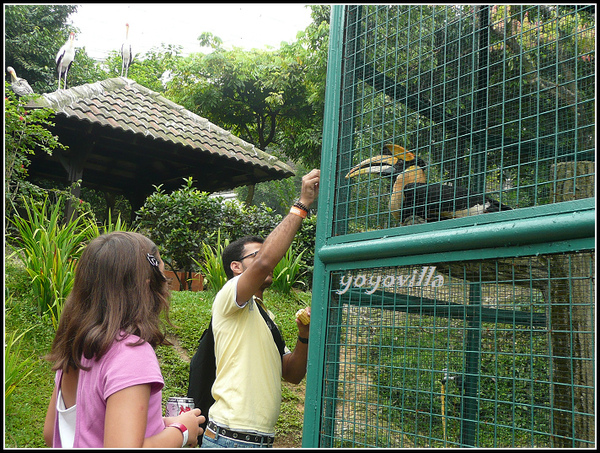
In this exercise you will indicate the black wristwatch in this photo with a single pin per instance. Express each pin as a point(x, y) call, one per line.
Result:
point(302, 339)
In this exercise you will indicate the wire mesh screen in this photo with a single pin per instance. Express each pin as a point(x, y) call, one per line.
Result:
point(488, 353)
point(490, 109)
point(454, 273)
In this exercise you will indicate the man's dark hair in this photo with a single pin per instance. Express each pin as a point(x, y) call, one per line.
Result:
point(234, 251)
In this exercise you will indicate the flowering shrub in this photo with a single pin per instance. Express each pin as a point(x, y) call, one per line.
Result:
point(24, 134)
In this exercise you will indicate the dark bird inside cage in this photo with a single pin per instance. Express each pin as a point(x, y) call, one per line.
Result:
point(411, 195)
point(64, 59)
point(19, 86)
point(126, 53)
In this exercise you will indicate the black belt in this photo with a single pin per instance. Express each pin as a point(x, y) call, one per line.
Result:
point(236, 435)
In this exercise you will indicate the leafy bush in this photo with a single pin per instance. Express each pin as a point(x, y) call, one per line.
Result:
point(211, 266)
point(16, 368)
point(51, 251)
point(305, 242)
point(181, 222)
point(241, 220)
point(288, 271)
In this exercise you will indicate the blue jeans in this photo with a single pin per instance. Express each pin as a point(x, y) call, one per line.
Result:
point(226, 442)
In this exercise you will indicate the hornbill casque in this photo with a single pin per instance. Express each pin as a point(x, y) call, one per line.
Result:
point(413, 196)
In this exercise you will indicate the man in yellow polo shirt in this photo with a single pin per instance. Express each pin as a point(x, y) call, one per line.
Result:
point(247, 388)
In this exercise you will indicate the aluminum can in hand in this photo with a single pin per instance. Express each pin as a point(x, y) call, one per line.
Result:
point(177, 406)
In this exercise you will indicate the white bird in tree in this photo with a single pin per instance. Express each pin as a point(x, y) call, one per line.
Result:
point(19, 85)
point(126, 53)
point(64, 59)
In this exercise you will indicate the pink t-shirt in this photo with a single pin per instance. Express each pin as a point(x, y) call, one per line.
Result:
point(121, 367)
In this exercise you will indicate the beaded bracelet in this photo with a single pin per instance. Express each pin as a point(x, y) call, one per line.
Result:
point(301, 205)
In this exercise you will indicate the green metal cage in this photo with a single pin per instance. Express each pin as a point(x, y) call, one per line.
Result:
point(454, 290)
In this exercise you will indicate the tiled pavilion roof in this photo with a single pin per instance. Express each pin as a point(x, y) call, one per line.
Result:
point(125, 138)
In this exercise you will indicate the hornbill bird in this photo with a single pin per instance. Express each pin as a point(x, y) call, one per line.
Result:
point(64, 59)
point(19, 85)
point(126, 53)
point(413, 196)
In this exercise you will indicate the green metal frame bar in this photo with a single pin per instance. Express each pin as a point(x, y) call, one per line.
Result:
point(466, 255)
point(346, 143)
point(488, 219)
point(432, 307)
point(347, 127)
point(469, 401)
point(537, 230)
point(320, 294)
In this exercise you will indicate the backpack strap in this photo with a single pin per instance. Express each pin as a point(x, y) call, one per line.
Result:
point(279, 342)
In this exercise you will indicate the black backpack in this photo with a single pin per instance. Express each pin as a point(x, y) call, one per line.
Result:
point(203, 367)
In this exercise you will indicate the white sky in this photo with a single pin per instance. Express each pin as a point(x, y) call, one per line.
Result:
point(245, 25)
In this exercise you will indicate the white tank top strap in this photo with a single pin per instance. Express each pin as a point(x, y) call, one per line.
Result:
point(66, 421)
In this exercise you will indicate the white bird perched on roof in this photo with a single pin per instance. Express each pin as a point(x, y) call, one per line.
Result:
point(64, 59)
point(126, 53)
point(19, 85)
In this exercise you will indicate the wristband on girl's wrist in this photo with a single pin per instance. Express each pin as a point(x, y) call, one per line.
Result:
point(181, 427)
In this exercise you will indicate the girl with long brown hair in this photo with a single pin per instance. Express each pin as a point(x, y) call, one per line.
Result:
point(108, 384)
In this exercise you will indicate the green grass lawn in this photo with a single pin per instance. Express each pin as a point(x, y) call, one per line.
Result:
point(25, 411)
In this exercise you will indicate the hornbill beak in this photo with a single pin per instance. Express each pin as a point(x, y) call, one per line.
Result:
point(384, 163)
point(399, 163)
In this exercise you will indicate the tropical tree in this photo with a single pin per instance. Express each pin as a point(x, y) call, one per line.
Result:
point(301, 137)
point(245, 92)
point(273, 99)
point(33, 36)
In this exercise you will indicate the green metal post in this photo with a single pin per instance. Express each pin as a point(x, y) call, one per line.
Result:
point(346, 141)
point(342, 157)
point(544, 225)
point(320, 293)
point(470, 402)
